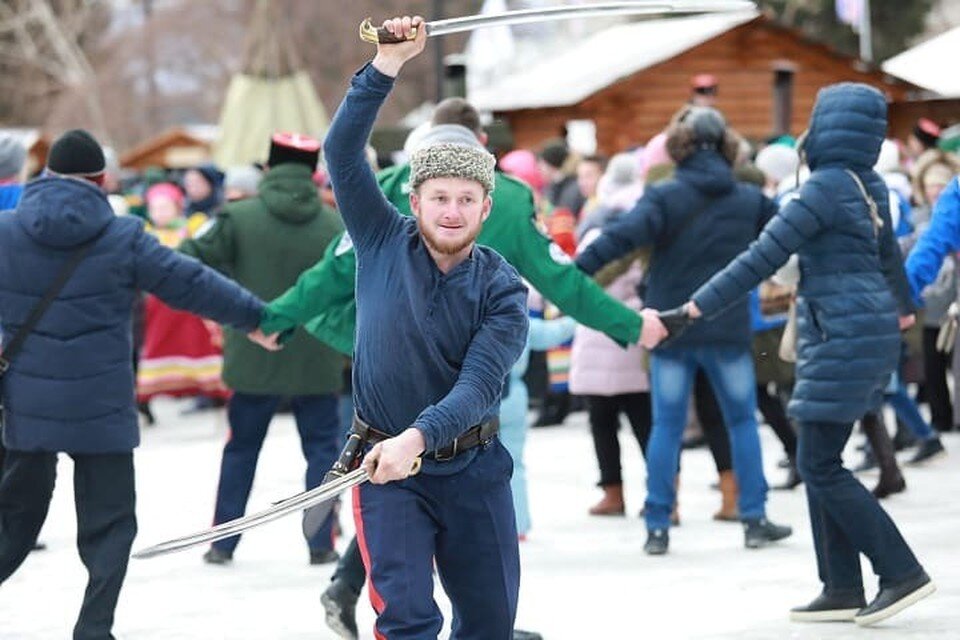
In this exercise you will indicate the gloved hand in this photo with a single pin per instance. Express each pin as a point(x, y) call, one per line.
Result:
point(676, 321)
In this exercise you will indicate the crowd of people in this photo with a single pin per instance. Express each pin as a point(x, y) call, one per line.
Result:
point(693, 284)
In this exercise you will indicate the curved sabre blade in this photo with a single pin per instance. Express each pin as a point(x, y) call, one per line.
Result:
point(293, 504)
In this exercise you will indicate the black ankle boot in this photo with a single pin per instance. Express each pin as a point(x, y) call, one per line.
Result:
point(340, 606)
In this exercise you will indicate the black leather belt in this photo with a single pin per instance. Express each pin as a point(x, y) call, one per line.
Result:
point(476, 435)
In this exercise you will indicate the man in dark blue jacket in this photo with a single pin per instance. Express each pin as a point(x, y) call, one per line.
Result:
point(696, 223)
point(70, 388)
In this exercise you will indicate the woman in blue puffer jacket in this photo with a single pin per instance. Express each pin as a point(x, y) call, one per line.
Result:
point(851, 293)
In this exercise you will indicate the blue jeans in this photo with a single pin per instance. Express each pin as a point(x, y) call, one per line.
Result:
point(249, 414)
point(731, 374)
point(906, 409)
point(846, 518)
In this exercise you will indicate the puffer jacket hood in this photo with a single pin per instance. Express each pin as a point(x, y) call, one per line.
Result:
point(847, 127)
point(289, 194)
point(63, 212)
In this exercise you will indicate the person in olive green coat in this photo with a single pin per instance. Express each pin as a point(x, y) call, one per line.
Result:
point(264, 243)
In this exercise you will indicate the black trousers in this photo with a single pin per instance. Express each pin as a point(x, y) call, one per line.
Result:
point(771, 407)
point(935, 367)
point(106, 524)
point(604, 413)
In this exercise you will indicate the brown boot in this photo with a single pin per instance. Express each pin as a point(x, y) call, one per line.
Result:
point(728, 495)
point(891, 480)
point(611, 504)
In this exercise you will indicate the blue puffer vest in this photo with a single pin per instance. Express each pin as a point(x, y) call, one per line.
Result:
point(852, 285)
point(71, 387)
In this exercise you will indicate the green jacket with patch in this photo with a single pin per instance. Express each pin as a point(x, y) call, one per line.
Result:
point(265, 243)
point(323, 297)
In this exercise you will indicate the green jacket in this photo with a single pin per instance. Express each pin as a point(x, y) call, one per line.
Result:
point(322, 298)
point(265, 243)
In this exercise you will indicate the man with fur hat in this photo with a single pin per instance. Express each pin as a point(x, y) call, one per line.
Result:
point(428, 373)
point(696, 222)
point(264, 243)
point(70, 389)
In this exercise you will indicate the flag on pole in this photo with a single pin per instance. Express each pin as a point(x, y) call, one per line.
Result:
point(850, 12)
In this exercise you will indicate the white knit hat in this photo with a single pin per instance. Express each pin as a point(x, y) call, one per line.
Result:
point(778, 161)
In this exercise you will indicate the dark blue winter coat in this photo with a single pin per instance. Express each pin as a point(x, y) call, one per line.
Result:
point(687, 250)
point(852, 285)
point(71, 387)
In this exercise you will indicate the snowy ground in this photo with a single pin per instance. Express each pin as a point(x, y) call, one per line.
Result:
point(583, 577)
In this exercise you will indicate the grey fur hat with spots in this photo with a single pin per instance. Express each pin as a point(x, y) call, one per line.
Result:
point(452, 160)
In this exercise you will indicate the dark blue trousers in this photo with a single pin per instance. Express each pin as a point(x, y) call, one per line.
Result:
point(464, 522)
point(249, 415)
point(846, 518)
point(106, 524)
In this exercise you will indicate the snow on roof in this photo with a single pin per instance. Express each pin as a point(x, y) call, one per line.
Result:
point(601, 60)
point(931, 64)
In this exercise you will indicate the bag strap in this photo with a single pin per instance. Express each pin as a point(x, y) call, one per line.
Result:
point(871, 203)
point(10, 352)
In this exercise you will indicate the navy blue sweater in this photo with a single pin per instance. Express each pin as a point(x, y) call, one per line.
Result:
point(432, 349)
point(696, 223)
point(71, 387)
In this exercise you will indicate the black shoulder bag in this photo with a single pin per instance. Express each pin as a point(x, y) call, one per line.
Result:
point(11, 350)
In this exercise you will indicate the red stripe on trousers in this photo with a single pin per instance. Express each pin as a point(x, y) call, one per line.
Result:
point(375, 599)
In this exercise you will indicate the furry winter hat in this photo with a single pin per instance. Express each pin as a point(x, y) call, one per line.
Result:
point(694, 128)
point(451, 160)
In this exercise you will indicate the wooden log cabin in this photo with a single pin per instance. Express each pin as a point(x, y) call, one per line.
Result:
point(630, 79)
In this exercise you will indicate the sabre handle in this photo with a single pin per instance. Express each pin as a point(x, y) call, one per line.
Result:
point(379, 35)
point(349, 456)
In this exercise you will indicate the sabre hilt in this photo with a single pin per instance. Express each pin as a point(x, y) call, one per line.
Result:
point(675, 321)
point(379, 35)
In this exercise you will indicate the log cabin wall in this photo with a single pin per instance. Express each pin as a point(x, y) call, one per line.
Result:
point(744, 60)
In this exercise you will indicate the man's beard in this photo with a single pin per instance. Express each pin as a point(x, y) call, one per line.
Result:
point(444, 246)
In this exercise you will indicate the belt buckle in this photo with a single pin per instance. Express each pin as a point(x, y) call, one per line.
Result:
point(453, 451)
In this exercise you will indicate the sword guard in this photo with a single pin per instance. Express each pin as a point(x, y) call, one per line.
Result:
point(379, 35)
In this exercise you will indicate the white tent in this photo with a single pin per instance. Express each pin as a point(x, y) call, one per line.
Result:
point(931, 65)
point(272, 93)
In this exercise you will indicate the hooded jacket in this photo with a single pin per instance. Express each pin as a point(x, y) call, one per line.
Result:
point(696, 223)
point(265, 243)
point(71, 387)
point(852, 284)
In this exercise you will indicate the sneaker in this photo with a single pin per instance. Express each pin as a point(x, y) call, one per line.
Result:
point(526, 635)
point(323, 556)
point(893, 600)
point(827, 607)
point(658, 541)
point(928, 450)
point(217, 556)
point(340, 606)
point(761, 532)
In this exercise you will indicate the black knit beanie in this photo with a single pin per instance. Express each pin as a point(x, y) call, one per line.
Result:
point(76, 153)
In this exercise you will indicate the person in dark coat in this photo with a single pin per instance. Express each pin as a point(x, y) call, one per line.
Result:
point(71, 388)
point(695, 223)
point(851, 293)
